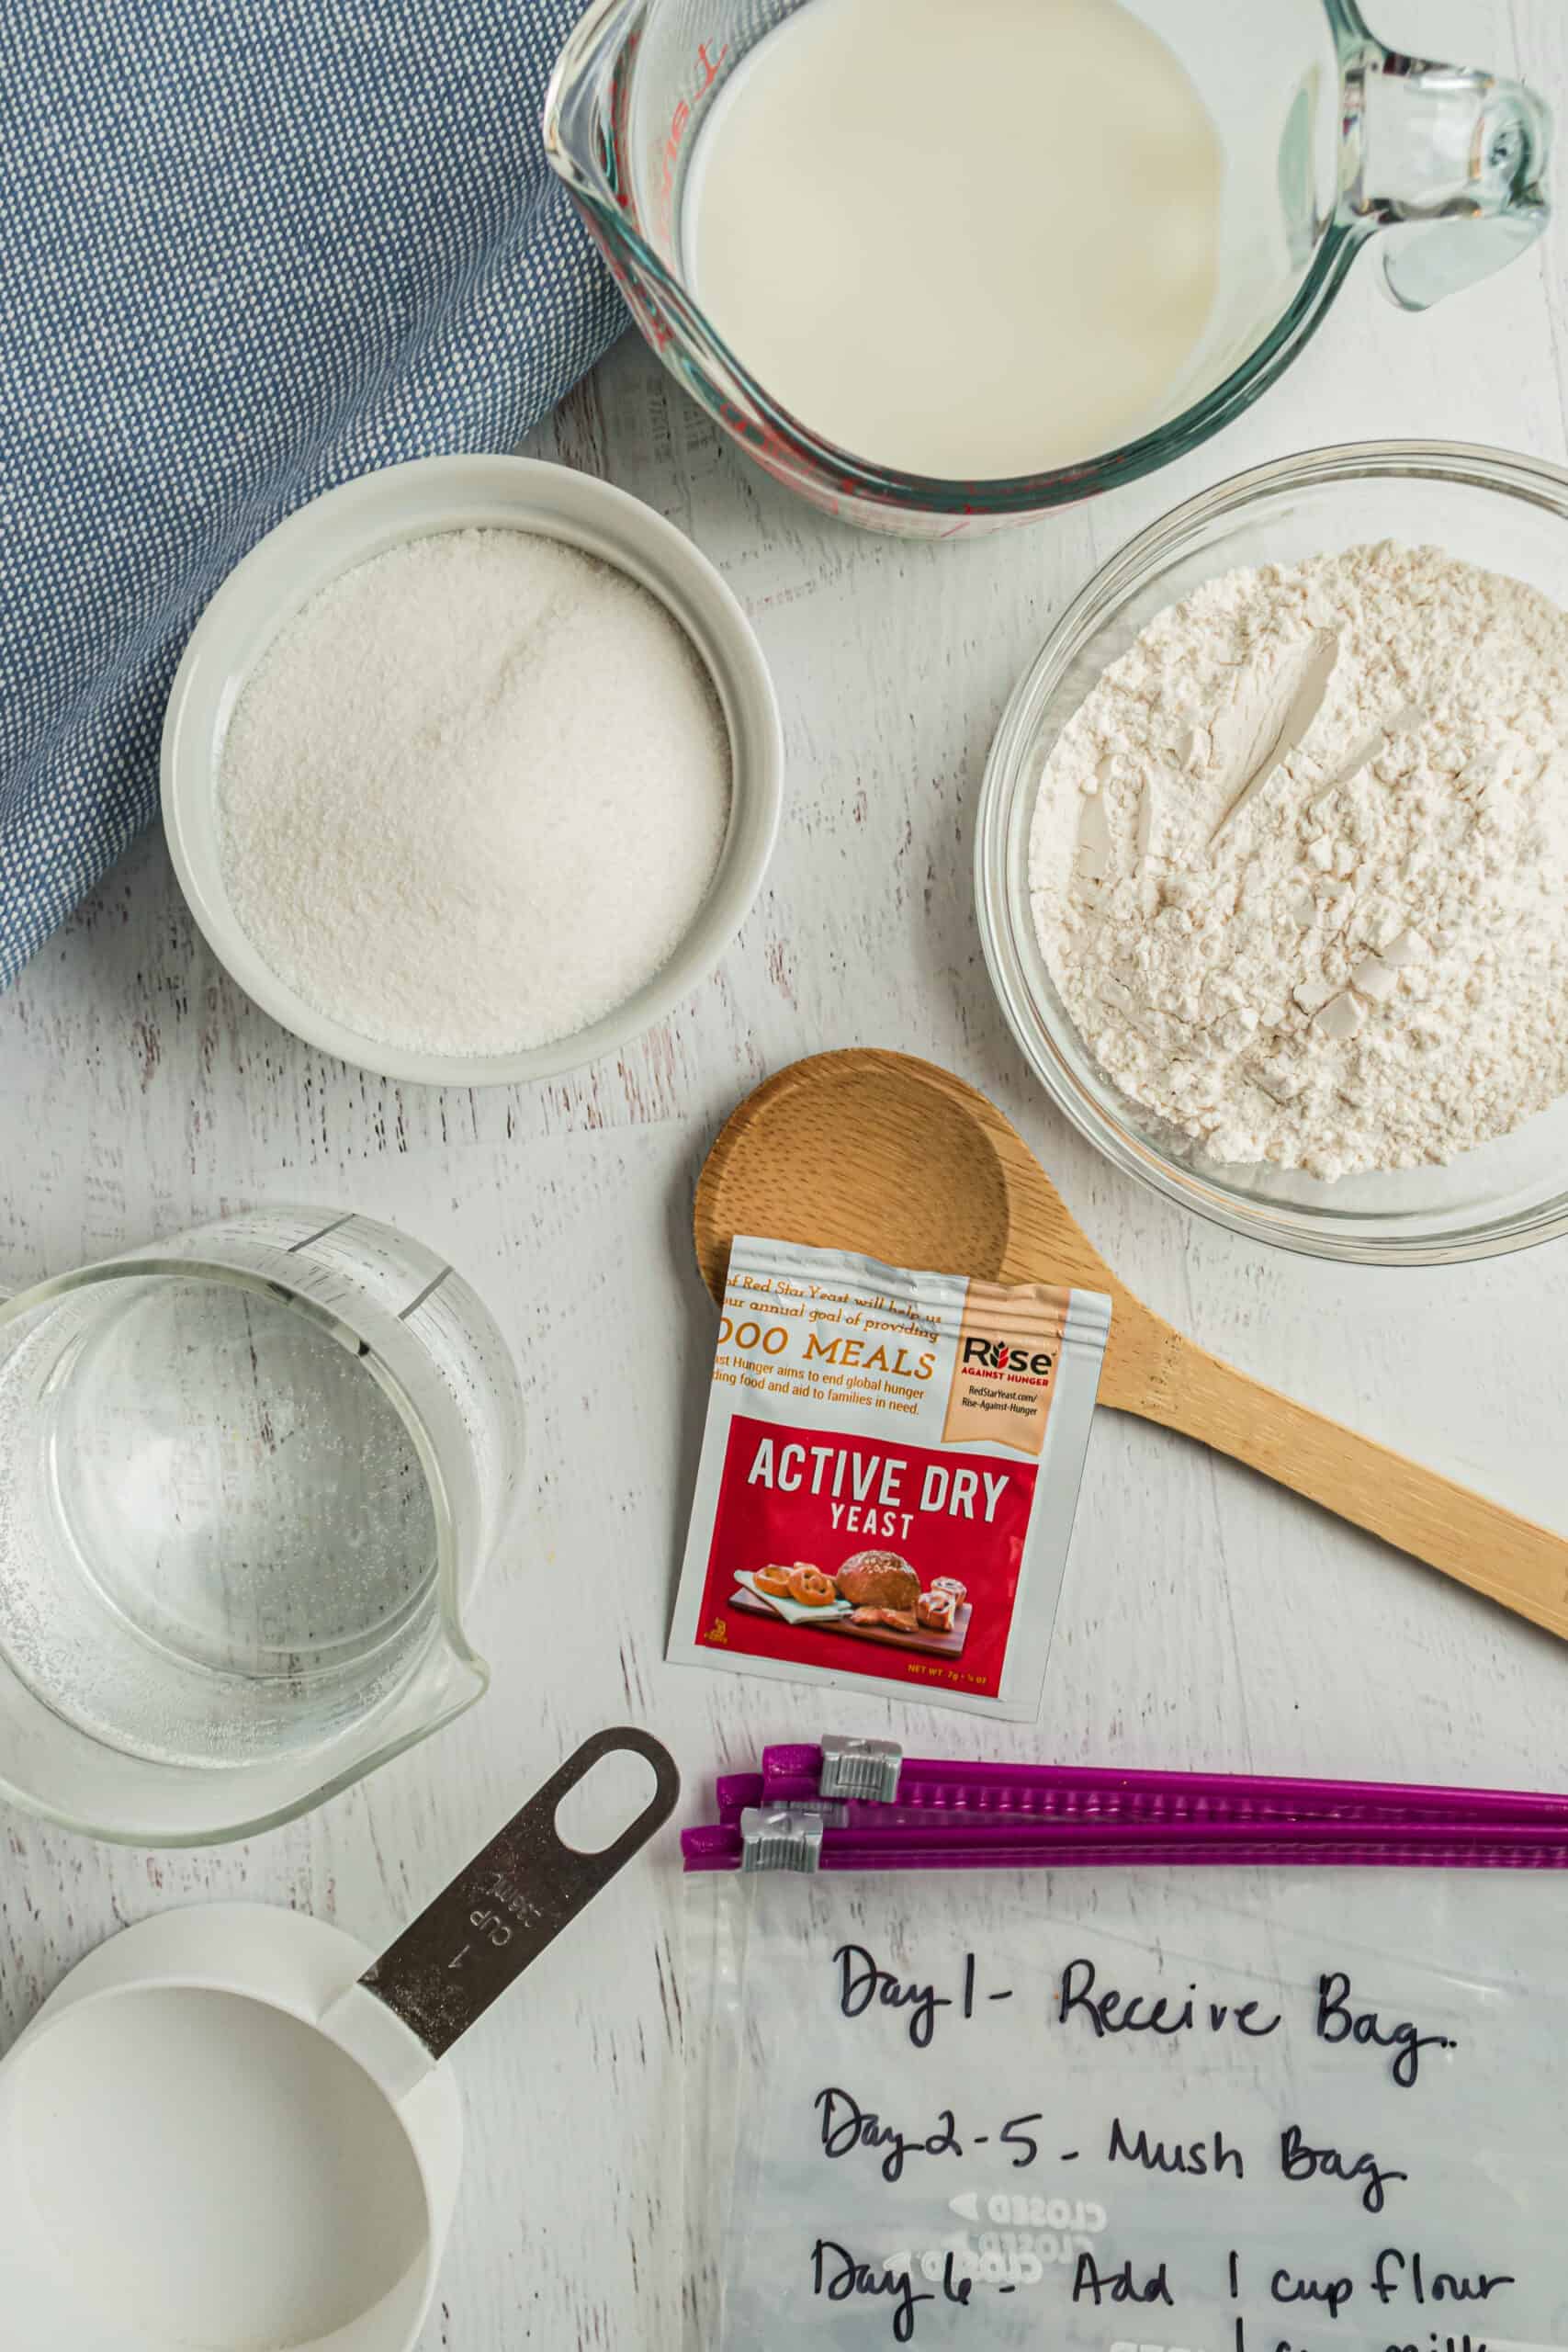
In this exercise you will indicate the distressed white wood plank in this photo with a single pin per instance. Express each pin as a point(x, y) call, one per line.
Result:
point(1208, 1619)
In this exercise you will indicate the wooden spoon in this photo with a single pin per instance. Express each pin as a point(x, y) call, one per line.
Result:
point(880, 1153)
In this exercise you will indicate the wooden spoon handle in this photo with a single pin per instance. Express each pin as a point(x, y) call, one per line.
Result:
point(1511, 1560)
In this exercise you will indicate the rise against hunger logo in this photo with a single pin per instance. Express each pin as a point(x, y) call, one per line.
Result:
point(999, 1355)
point(1005, 1368)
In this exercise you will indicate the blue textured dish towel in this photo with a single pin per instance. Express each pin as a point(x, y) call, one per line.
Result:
point(248, 248)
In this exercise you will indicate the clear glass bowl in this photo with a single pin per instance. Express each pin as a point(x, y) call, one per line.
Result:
point(1507, 513)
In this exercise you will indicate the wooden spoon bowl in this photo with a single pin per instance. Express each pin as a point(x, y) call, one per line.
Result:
point(893, 1158)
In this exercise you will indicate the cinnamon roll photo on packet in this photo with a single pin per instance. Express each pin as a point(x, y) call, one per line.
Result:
point(889, 1471)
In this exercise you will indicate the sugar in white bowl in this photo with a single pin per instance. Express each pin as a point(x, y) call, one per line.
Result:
point(474, 794)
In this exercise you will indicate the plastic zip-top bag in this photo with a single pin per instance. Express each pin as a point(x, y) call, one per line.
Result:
point(1288, 2106)
point(888, 1478)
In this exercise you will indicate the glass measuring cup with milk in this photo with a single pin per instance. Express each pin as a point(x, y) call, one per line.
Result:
point(248, 1477)
point(941, 264)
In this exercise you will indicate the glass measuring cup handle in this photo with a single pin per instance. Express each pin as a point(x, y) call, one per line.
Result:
point(1451, 159)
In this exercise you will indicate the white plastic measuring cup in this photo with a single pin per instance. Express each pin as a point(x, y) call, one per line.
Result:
point(226, 2129)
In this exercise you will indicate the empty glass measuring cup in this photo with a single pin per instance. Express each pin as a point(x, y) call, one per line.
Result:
point(247, 1478)
point(1327, 138)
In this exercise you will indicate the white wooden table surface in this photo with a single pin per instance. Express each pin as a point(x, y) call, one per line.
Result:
point(1208, 1619)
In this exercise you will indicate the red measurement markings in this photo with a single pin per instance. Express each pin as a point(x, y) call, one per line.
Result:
point(651, 318)
point(681, 122)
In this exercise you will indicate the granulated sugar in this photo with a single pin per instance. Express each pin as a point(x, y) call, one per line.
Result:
point(474, 795)
point(1299, 863)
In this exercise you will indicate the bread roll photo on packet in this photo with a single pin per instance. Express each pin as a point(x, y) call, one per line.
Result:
point(889, 1471)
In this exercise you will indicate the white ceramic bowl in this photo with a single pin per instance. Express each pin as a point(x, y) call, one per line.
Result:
point(364, 518)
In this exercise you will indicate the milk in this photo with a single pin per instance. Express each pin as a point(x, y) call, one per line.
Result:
point(967, 238)
point(210, 2171)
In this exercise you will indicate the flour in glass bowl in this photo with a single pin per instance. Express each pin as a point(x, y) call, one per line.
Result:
point(1299, 863)
point(474, 794)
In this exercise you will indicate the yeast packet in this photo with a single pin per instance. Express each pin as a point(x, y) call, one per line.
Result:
point(888, 1478)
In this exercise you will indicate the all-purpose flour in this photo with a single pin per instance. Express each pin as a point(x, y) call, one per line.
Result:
point(474, 795)
point(1299, 863)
